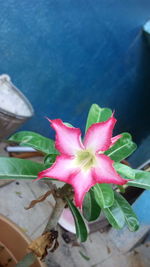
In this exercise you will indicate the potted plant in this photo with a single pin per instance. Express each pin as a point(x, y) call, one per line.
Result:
point(89, 167)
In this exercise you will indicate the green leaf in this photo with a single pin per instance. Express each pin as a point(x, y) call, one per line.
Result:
point(49, 160)
point(84, 256)
point(97, 114)
point(115, 215)
point(14, 168)
point(104, 195)
point(142, 179)
point(37, 141)
point(130, 217)
point(91, 210)
point(121, 189)
point(81, 227)
point(139, 178)
point(124, 170)
point(122, 148)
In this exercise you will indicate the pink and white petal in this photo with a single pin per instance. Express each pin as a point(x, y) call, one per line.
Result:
point(104, 172)
point(68, 139)
point(81, 182)
point(61, 169)
point(98, 136)
point(115, 139)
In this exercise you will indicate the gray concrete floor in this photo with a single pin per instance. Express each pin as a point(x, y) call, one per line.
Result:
point(99, 250)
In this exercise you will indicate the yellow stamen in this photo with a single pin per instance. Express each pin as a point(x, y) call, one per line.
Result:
point(85, 159)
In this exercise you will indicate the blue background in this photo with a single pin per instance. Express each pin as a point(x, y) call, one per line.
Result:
point(65, 55)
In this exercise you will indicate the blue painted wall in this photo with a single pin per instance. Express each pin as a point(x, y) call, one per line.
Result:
point(65, 54)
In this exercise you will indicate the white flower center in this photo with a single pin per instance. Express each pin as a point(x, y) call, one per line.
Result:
point(85, 159)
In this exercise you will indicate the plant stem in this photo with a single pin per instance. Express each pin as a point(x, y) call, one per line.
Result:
point(56, 213)
point(59, 196)
point(52, 222)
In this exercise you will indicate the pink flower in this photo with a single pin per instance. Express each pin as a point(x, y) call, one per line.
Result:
point(83, 164)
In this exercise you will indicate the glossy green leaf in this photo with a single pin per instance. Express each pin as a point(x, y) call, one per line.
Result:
point(104, 195)
point(49, 160)
point(97, 114)
point(14, 168)
point(130, 217)
point(115, 215)
point(122, 148)
point(81, 227)
point(37, 141)
point(91, 210)
point(142, 179)
point(139, 178)
point(124, 170)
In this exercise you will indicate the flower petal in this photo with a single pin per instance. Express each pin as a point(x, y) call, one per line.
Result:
point(105, 172)
point(81, 182)
point(115, 139)
point(68, 139)
point(61, 169)
point(98, 136)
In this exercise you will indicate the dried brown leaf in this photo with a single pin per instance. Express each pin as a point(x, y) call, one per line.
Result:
point(40, 199)
point(41, 244)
